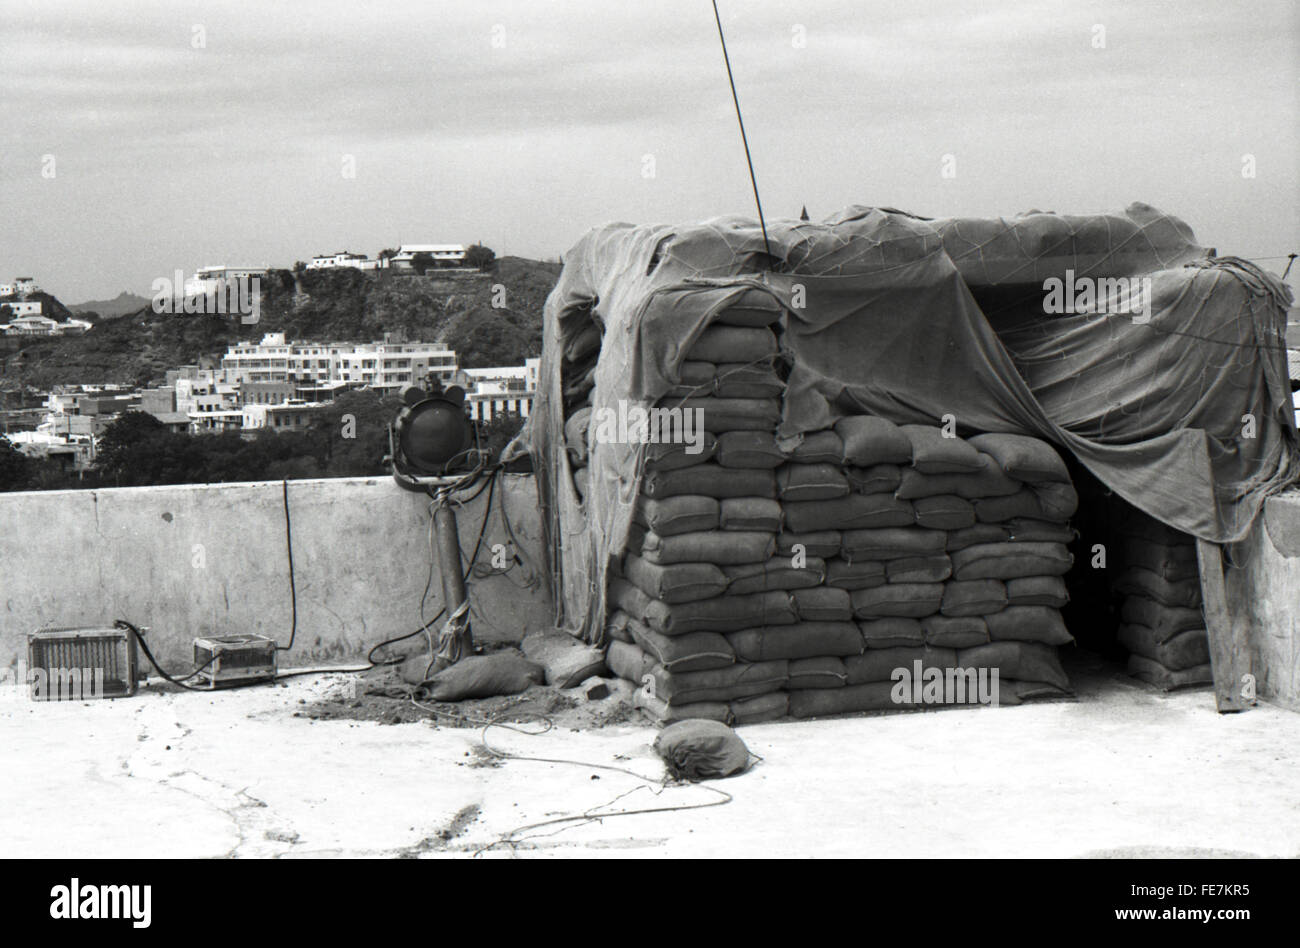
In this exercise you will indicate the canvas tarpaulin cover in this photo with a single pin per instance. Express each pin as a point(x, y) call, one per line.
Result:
point(881, 317)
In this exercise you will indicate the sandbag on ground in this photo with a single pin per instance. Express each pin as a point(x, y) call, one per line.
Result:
point(1185, 650)
point(1153, 673)
point(701, 750)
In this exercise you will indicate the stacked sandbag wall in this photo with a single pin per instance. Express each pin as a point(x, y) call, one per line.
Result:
point(1162, 623)
point(758, 583)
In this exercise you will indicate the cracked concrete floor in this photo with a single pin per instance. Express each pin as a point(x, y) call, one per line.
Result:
point(1121, 770)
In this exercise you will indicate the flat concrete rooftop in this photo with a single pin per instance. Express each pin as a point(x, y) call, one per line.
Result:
point(1121, 770)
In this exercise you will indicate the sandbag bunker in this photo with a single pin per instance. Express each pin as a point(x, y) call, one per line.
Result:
point(832, 467)
point(874, 567)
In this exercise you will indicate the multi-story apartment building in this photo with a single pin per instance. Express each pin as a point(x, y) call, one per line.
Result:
point(386, 364)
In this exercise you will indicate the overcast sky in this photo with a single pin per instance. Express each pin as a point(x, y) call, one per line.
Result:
point(523, 124)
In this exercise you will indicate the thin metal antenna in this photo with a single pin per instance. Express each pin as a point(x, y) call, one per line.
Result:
point(731, 79)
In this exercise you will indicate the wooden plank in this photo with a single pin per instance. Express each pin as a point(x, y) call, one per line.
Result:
point(1234, 683)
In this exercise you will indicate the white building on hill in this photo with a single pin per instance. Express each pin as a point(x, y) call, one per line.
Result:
point(386, 364)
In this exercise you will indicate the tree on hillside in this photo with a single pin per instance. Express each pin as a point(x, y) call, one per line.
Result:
point(479, 256)
point(421, 262)
point(15, 467)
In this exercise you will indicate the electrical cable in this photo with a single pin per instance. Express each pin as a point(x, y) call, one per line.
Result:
point(144, 647)
point(589, 815)
point(293, 585)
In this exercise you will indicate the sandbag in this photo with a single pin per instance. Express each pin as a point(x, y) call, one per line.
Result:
point(628, 661)
point(851, 699)
point(877, 479)
point(723, 614)
point(722, 547)
point(1028, 624)
point(890, 543)
point(575, 434)
point(988, 481)
point(853, 512)
point(776, 573)
point(675, 456)
point(883, 663)
point(1174, 563)
point(826, 671)
point(1037, 591)
point(1137, 581)
point(741, 680)
point(810, 482)
point(954, 631)
point(1057, 501)
point(934, 568)
point(1027, 661)
point(616, 626)
point(799, 640)
point(822, 604)
point(733, 344)
point(823, 543)
point(934, 453)
point(1185, 650)
point(1156, 674)
point(980, 533)
point(1023, 457)
point(1023, 503)
point(1023, 530)
point(819, 447)
point(749, 449)
point(676, 582)
point(1010, 560)
point(721, 415)
point(973, 597)
point(710, 480)
point(760, 708)
point(694, 651)
point(869, 440)
point(742, 380)
point(583, 342)
point(944, 512)
point(891, 633)
point(701, 750)
point(753, 308)
point(750, 513)
point(484, 676)
point(860, 574)
point(684, 513)
point(911, 600)
point(662, 712)
point(1164, 621)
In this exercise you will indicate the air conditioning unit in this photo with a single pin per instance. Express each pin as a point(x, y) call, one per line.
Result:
point(229, 660)
point(76, 664)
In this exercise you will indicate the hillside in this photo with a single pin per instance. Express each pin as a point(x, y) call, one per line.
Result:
point(326, 305)
point(125, 302)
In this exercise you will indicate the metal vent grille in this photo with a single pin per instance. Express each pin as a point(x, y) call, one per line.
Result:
point(78, 664)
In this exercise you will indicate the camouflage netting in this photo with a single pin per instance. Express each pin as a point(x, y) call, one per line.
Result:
point(919, 322)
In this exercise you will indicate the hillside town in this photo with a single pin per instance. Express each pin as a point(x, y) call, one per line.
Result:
point(273, 384)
